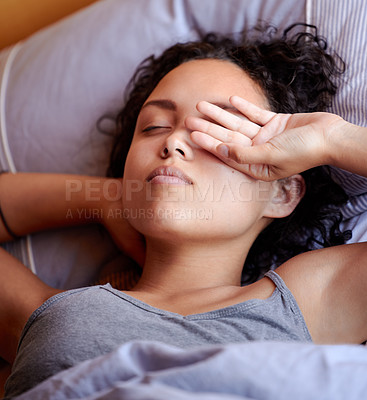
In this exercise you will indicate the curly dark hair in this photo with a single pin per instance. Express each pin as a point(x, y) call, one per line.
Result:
point(297, 74)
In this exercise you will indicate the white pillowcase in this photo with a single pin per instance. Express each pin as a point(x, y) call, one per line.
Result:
point(343, 24)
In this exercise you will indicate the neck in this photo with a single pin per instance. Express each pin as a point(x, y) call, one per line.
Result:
point(183, 267)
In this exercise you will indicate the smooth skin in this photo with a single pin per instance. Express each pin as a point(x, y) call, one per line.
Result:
point(205, 255)
point(329, 284)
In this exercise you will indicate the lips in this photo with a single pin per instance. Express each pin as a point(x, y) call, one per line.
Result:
point(169, 175)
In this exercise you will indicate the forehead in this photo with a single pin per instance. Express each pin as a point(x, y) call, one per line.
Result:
point(211, 80)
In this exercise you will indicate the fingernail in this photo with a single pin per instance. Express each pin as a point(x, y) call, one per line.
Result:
point(223, 150)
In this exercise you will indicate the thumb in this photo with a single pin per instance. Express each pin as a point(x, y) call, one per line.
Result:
point(242, 155)
point(253, 161)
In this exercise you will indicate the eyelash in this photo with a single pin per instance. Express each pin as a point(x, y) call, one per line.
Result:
point(151, 128)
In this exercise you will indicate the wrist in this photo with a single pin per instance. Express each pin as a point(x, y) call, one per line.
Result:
point(346, 146)
point(335, 135)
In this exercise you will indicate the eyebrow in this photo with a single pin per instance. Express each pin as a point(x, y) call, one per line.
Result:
point(170, 105)
point(165, 104)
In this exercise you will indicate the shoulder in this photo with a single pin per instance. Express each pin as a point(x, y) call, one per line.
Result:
point(329, 286)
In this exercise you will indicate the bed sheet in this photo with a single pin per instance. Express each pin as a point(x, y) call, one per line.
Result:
point(252, 371)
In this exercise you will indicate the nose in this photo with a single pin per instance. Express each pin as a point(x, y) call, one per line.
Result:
point(177, 144)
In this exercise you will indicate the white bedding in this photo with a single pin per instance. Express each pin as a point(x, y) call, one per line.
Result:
point(252, 371)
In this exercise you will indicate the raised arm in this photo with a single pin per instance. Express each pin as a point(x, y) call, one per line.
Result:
point(32, 202)
point(270, 146)
point(328, 284)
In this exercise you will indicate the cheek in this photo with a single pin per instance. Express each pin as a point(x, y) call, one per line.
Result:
point(238, 203)
point(226, 185)
point(136, 162)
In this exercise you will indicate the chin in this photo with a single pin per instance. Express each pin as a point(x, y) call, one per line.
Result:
point(188, 219)
point(163, 221)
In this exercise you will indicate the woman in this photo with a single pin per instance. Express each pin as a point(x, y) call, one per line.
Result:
point(192, 198)
point(296, 75)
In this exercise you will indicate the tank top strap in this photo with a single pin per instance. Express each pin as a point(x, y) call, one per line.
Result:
point(278, 282)
point(289, 298)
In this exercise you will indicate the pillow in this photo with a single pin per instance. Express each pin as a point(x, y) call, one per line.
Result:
point(56, 84)
point(344, 27)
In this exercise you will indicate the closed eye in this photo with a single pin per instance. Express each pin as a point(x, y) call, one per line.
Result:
point(154, 127)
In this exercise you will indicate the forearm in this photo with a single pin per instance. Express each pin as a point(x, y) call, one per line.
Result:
point(347, 146)
point(33, 201)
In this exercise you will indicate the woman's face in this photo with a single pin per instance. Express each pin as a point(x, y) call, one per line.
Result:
point(172, 187)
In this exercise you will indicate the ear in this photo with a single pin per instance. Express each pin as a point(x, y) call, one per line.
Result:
point(287, 193)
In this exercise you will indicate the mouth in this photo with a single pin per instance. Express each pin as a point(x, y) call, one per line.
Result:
point(168, 175)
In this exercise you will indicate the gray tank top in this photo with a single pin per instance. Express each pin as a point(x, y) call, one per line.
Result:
point(80, 324)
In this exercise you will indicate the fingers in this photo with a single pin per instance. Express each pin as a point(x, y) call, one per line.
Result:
point(254, 113)
point(205, 141)
point(243, 137)
point(217, 132)
point(225, 116)
point(255, 161)
point(233, 124)
point(274, 127)
point(217, 147)
point(249, 160)
point(241, 155)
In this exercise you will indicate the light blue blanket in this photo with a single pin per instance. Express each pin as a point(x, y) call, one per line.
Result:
point(254, 370)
